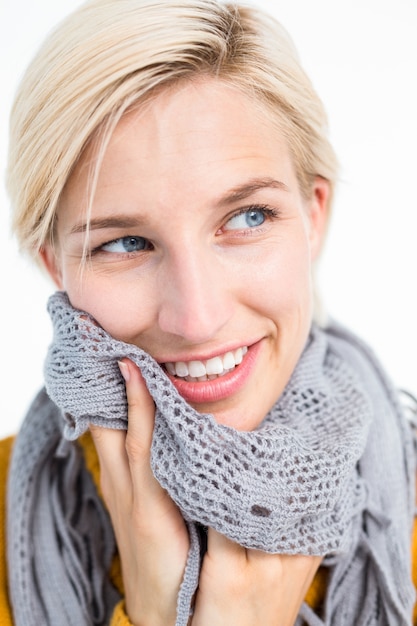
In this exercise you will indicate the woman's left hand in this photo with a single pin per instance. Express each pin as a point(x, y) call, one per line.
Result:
point(240, 587)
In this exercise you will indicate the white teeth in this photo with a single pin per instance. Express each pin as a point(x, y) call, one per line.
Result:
point(214, 366)
point(200, 371)
point(196, 369)
point(238, 356)
point(181, 369)
point(170, 368)
point(228, 361)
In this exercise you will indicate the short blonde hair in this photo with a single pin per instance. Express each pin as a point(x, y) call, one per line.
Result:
point(109, 55)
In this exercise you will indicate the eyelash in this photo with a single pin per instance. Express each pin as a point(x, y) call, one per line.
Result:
point(100, 248)
point(270, 214)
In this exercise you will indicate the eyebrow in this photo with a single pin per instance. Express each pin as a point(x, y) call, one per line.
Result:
point(236, 194)
point(241, 192)
point(122, 221)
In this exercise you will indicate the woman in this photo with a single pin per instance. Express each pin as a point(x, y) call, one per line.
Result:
point(169, 166)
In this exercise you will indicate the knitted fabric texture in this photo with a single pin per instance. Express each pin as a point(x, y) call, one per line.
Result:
point(328, 472)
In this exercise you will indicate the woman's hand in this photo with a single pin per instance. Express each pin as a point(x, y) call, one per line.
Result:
point(237, 587)
point(240, 587)
point(150, 532)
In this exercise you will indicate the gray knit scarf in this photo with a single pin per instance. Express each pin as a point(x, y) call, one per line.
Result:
point(329, 472)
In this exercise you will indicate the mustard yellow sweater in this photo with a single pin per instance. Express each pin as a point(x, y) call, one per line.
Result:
point(314, 597)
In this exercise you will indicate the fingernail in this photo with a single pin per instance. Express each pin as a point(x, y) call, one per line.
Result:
point(124, 370)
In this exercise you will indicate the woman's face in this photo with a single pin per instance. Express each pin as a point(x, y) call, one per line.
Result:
point(200, 246)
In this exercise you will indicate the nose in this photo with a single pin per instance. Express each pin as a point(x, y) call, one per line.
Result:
point(196, 299)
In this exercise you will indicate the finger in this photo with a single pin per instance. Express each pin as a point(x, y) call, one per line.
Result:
point(223, 547)
point(110, 445)
point(303, 568)
point(141, 408)
point(141, 421)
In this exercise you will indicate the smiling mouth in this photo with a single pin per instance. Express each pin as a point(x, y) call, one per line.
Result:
point(201, 371)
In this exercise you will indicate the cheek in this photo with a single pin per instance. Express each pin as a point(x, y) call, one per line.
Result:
point(284, 281)
point(114, 305)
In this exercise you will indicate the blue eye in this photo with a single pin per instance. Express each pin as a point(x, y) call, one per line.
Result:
point(247, 219)
point(126, 244)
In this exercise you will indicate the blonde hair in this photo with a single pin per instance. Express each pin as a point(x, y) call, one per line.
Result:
point(109, 55)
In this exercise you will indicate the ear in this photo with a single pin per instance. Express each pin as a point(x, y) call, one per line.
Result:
point(50, 261)
point(319, 215)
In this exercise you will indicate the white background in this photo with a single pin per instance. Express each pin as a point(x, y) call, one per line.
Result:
point(362, 57)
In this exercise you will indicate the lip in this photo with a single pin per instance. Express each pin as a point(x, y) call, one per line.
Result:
point(219, 388)
point(197, 356)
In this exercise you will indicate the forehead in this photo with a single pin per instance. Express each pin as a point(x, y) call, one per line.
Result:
point(199, 137)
